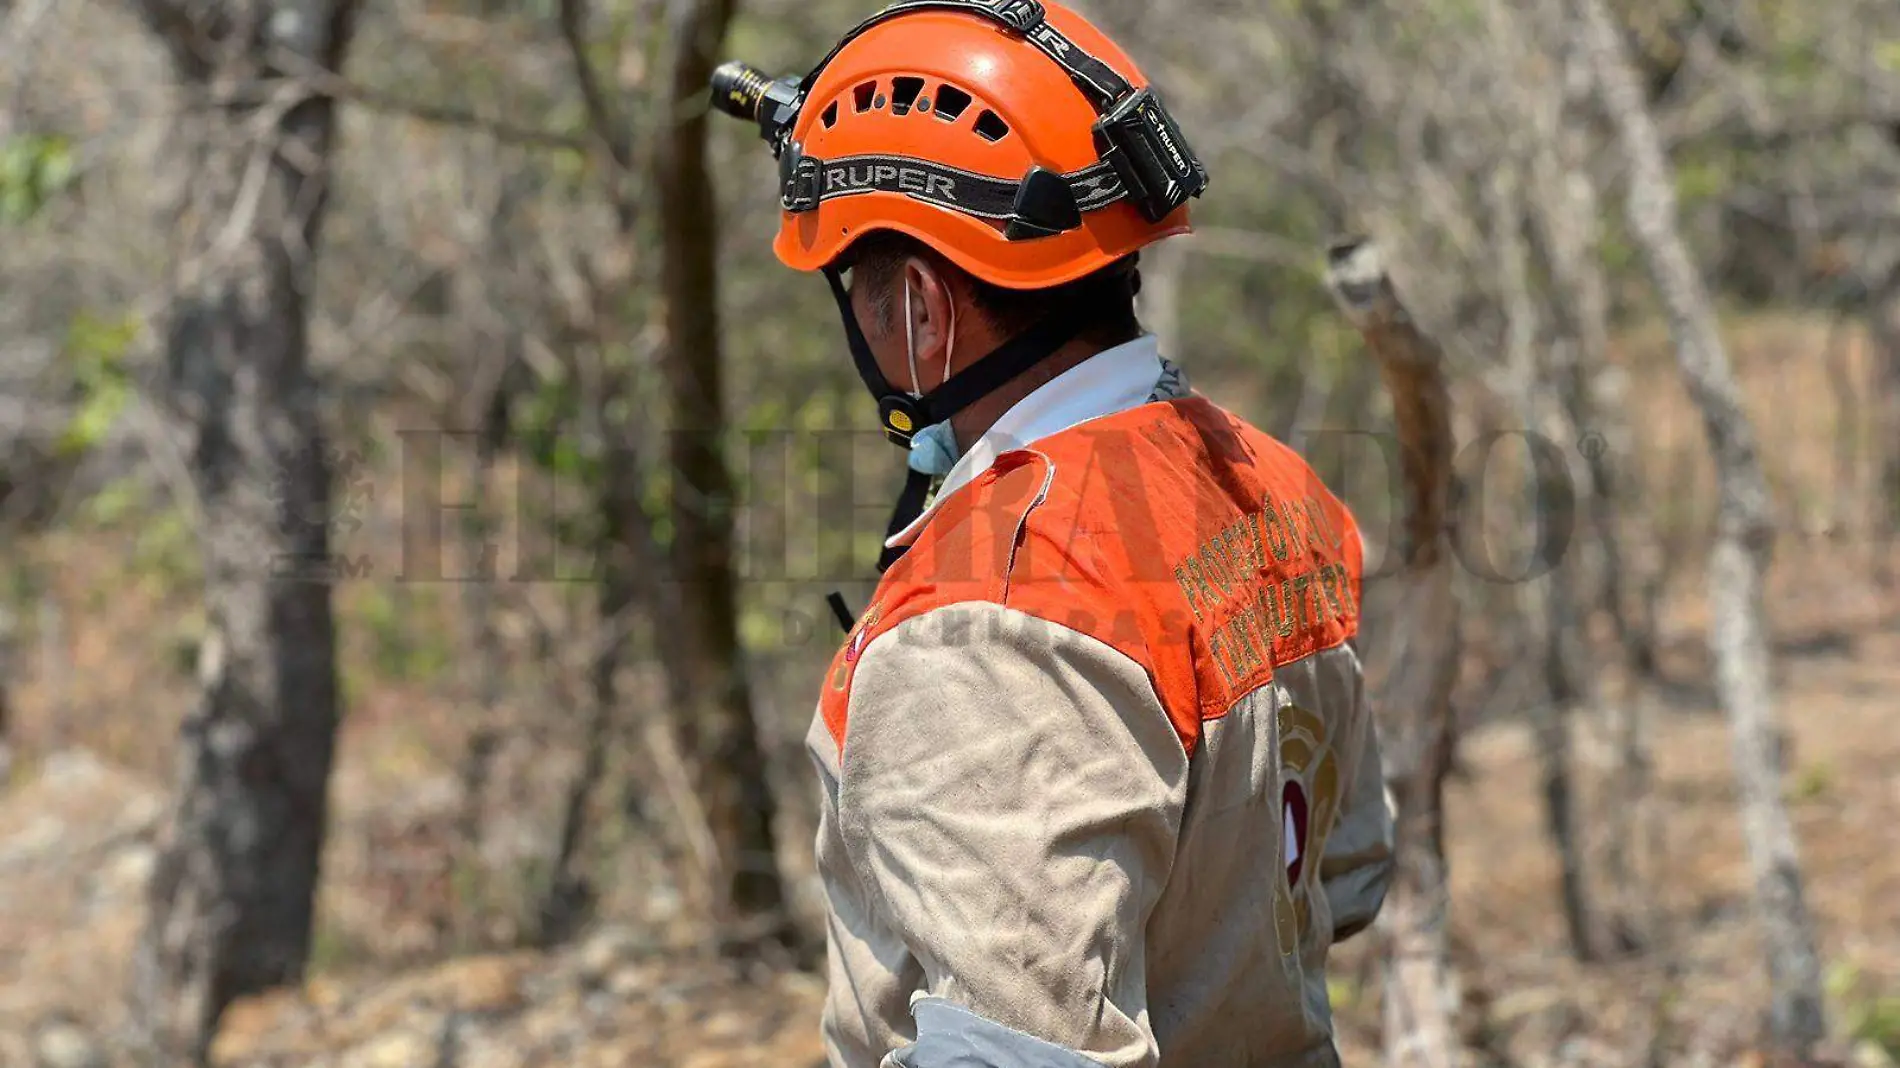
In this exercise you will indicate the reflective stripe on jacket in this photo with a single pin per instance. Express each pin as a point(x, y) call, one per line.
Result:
point(1100, 782)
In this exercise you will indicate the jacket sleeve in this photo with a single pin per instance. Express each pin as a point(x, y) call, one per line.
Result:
point(1009, 798)
point(870, 973)
point(1357, 865)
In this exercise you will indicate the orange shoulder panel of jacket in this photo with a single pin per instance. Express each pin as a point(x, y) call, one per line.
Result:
point(962, 556)
point(1194, 544)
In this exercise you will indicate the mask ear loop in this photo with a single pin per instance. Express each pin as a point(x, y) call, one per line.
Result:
point(950, 347)
point(910, 345)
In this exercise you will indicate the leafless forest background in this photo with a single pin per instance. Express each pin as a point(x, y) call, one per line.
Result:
point(419, 487)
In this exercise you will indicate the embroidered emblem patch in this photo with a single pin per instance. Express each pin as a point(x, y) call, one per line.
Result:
point(854, 648)
point(1309, 802)
point(1295, 830)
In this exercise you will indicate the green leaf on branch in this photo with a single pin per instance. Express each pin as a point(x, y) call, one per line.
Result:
point(96, 349)
point(34, 169)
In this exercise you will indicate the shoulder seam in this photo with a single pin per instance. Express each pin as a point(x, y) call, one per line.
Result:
point(1146, 669)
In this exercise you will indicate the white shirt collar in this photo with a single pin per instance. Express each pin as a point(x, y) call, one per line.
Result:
point(1113, 380)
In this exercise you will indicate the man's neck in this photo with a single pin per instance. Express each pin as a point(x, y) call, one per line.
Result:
point(975, 421)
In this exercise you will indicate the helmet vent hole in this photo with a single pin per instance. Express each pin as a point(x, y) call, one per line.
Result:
point(950, 102)
point(991, 127)
point(904, 93)
point(863, 95)
point(830, 117)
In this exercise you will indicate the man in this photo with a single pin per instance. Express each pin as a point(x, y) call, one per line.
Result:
point(1100, 782)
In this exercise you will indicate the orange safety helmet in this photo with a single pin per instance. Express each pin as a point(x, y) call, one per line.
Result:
point(1011, 136)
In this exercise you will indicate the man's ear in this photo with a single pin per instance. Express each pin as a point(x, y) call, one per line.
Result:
point(931, 318)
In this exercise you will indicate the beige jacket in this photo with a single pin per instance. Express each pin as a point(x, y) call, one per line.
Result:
point(1100, 785)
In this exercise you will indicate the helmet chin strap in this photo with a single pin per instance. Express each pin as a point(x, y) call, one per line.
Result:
point(906, 412)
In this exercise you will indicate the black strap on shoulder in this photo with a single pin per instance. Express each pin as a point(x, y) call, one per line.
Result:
point(840, 611)
point(910, 505)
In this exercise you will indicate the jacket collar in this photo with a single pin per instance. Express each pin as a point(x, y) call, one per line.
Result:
point(1113, 380)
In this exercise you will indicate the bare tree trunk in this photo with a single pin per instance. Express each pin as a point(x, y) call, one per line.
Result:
point(624, 535)
point(634, 564)
point(55, 667)
point(9, 665)
point(1550, 601)
point(1884, 323)
point(484, 686)
point(1845, 517)
point(570, 896)
point(1413, 694)
point(721, 732)
point(1744, 540)
point(232, 894)
point(1601, 435)
point(1568, 218)
point(487, 409)
point(1570, 225)
point(1573, 687)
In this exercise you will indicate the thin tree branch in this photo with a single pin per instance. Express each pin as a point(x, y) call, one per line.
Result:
point(606, 126)
point(335, 85)
point(609, 130)
point(1251, 245)
point(1779, 131)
